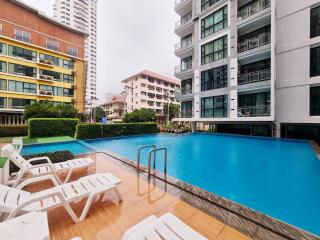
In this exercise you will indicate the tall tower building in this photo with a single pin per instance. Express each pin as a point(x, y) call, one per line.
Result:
point(82, 15)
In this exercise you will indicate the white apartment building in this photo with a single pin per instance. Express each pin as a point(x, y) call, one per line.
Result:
point(149, 90)
point(245, 65)
point(82, 15)
point(115, 108)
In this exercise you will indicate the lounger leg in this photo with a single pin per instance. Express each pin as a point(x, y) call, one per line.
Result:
point(71, 213)
point(69, 175)
point(18, 180)
point(118, 195)
point(87, 206)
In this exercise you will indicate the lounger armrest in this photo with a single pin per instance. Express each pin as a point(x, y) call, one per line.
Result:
point(37, 179)
point(49, 165)
point(39, 159)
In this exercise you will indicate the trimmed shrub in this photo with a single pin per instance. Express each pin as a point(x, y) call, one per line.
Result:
point(13, 131)
point(98, 130)
point(55, 157)
point(51, 127)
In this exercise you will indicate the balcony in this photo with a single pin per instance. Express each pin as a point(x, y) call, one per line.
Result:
point(254, 111)
point(183, 70)
point(184, 26)
point(44, 62)
point(183, 49)
point(252, 43)
point(46, 78)
point(45, 93)
point(182, 7)
point(253, 8)
point(253, 77)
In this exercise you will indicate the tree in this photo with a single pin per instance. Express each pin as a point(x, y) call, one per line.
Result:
point(174, 110)
point(141, 115)
point(49, 110)
point(98, 114)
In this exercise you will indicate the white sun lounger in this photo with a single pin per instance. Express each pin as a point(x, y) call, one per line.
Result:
point(43, 169)
point(166, 227)
point(14, 201)
point(17, 142)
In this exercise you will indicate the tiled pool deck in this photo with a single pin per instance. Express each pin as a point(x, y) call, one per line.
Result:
point(109, 221)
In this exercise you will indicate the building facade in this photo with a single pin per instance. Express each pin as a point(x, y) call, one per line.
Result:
point(245, 65)
point(115, 108)
point(37, 61)
point(82, 15)
point(149, 90)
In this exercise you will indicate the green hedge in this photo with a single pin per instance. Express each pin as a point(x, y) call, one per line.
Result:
point(51, 127)
point(13, 131)
point(55, 157)
point(98, 130)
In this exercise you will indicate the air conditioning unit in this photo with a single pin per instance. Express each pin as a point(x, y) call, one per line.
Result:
point(73, 73)
point(43, 92)
point(50, 78)
point(42, 61)
point(43, 77)
point(48, 62)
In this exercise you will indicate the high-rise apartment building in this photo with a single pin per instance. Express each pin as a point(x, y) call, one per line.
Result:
point(149, 90)
point(250, 66)
point(82, 15)
point(40, 60)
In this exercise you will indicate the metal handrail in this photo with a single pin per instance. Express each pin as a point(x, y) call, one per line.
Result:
point(139, 154)
point(253, 8)
point(254, 42)
point(257, 76)
point(154, 161)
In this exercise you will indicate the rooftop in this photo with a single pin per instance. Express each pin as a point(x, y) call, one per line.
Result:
point(116, 99)
point(155, 75)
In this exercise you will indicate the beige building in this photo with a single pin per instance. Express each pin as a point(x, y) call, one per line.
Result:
point(150, 90)
point(114, 108)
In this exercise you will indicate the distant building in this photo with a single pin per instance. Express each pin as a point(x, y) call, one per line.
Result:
point(114, 108)
point(149, 90)
point(40, 60)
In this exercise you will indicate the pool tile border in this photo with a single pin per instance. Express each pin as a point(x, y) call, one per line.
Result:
point(252, 223)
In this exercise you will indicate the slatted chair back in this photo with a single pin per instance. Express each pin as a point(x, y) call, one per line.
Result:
point(16, 158)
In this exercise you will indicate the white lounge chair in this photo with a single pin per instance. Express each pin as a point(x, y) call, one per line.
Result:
point(43, 169)
point(17, 143)
point(14, 201)
point(166, 227)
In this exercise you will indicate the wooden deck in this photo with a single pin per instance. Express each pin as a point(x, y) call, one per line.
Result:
point(108, 220)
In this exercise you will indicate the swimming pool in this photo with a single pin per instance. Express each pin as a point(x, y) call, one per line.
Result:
point(277, 177)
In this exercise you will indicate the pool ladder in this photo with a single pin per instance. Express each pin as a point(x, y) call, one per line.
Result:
point(153, 150)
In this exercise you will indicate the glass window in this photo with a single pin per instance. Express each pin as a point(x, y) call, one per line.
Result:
point(18, 69)
point(56, 61)
point(214, 78)
point(73, 51)
point(3, 48)
point(186, 41)
point(3, 102)
point(205, 4)
point(315, 101)
point(56, 75)
point(22, 53)
point(19, 103)
point(186, 109)
point(186, 64)
point(68, 78)
point(214, 22)
point(186, 86)
point(3, 84)
point(67, 92)
point(315, 62)
point(214, 50)
point(52, 44)
point(3, 66)
point(68, 64)
point(57, 91)
point(16, 86)
point(214, 107)
point(22, 36)
point(315, 22)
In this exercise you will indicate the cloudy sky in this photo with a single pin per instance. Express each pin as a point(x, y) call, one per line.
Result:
point(133, 35)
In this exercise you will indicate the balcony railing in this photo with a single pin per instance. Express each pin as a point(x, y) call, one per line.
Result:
point(180, 69)
point(188, 114)
point(253, 77)
point(254, 111)
point(183, 45)
point(255, 42)
point(253, 8)
point(184, 20)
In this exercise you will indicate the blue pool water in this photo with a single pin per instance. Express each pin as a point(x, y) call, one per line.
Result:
point(277, 177)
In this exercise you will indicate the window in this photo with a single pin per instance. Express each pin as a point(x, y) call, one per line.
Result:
point(3, 102)
point(214, 50)
point(214, 78)
point(315, 22)
point(186, 41)
point(186, 64)
point(186, 86)
point(205, 4)
point(214, 107)
point(254, 105)
point(73, 51)
point(16, 86)
point(56, 61)
point(68, 64)
point(3, 66)
point(56, 75)
point(214, 22)
point(68, 92)
point(22, 36)
point(0, 29)
point(3, 48)
point(57, 91)
point(22, 53)
point(186, 109)
point(68, 78)
point(315, 101)
point(3, 85)
point(18, 69)
point(315, 62)
point(19, 103)
point(52, 44)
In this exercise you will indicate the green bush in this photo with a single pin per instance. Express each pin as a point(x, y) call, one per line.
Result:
point(51, 127)
point(98, 130)
point(140, 115)
point(55, 157)
point(13, 131)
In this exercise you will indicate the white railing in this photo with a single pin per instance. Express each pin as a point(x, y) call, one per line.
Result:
point(184, 45)
point(254, 111)
point(179, 69)
point(255, 42)
point(253, 77)
point(184, 20)
point(7, 119)
point(253, 8)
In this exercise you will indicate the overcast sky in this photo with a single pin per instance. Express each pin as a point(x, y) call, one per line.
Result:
point(133, 35)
